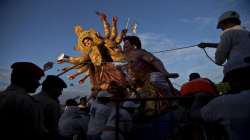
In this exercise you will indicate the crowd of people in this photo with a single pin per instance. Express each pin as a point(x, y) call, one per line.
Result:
point(198, 111)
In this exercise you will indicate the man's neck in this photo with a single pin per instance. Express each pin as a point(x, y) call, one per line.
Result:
point(16, 87)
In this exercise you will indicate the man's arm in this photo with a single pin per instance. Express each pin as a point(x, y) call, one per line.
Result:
point(151, 59)
point(223, 49)
point(213, 111)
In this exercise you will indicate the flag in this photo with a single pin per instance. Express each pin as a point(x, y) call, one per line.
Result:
point(134, 28)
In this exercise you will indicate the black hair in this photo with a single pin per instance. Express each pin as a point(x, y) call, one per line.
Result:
point(134, 40)
point(83, 98)
point(71, 102)
point(193, 76)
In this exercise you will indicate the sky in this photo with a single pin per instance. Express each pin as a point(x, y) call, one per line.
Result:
point(39, 30)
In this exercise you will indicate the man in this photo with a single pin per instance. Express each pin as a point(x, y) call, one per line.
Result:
point(193, 76)
point(197, 84)
point(232, 112)
point(147, 72)
point(20, 117)
point(135, 54)
point(73, 122)
point(99, 113)
point(125, 124)
point(234, 47)
point(52, 88)
point(83, 105)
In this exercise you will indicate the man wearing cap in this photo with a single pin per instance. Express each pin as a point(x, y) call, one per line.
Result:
point(52, 88)
point(73, 122)
point(125, 124)
point(197, 85)
point(99, 113)
point(83, 105)
point(20, 116)
point(234, 47)
point(230, 111)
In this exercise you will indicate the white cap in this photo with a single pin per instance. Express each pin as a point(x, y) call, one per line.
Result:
point(228, 15)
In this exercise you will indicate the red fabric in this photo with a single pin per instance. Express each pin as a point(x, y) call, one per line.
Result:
point(197, 86)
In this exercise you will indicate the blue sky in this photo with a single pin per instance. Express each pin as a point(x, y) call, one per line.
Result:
point(39, 30)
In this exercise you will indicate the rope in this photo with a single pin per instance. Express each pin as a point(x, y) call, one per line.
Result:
point(210, 57)
point(169, 50)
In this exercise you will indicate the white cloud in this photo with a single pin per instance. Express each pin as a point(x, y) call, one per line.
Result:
point(201, 21)
point(4, 78)
point(246, 24)
point(156, 42)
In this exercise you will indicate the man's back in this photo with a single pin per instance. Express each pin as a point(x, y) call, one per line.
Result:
point(99, 114)
point(73, 121)
point(232, 111)
point(20, 116)
point(50, 112)
point(197, 86)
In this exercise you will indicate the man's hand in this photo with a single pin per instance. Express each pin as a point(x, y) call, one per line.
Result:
point(172, 75)
point(210, 45)
point(202, 45)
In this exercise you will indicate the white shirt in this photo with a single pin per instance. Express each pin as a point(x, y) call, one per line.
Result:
point(73, 121)
point(232, 111)
point(234, 47)
point(99, 114)
point(125, 120)
point(125, 124)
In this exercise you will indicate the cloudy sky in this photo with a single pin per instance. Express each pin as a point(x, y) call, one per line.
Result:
point(39, 30)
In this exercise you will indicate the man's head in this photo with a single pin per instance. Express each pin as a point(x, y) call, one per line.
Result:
point(193, 76)
point(83, 100)
point(228, 20)
point(53, 85)
point(132, 42)
point(26, 75)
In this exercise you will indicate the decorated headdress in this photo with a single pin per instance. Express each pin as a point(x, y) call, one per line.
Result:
point(81, 34)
